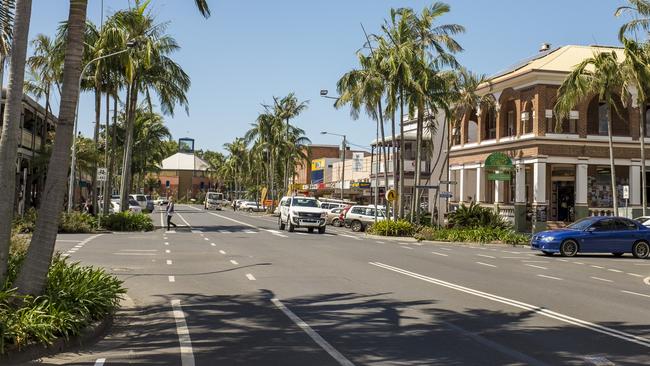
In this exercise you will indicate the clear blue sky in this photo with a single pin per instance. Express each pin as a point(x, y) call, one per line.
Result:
point(249, 51)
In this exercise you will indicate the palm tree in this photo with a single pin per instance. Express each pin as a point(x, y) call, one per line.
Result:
point(11, 123)
point(601, 75)
point(31, 278)
point(640, 10)
point(6, 24)
point(148, 149)
point(262, 135)
point(286, 109)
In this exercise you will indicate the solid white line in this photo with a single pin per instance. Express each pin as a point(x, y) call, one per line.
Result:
point(100, 361)
point(299, 233)
point(250, 232)
point(551, 277)
point(440, 254)
point(68, 241)
point(169, 261)
point(250, 277)
point(485, 264)
point(234, 262)
point(281, 235)
point(534, 266)
point(162, 221)
point(182, 218)
point(184, 340)
point(171, 278)
point(139, 250)
point(513, 258)
point(350, 236)
point(601, 279)
point(312, 334)
point(233, 220)
point(522, 305)
point(486, 256)
point(78, 246)
point(222, 252)
point(615, 270)
point(635, 293)
point(635, 275)
point(272, 231)
point(195, 231)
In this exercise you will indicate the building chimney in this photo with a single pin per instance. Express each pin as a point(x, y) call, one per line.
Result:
point(545, 47)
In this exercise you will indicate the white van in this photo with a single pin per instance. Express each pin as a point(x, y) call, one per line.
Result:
point(214, 200)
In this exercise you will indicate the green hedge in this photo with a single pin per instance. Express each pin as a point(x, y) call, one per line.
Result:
point(74, 222)
point(75, 296)
point(476, 216)
point(474, 235)
point(128, 221)
point(391, 228)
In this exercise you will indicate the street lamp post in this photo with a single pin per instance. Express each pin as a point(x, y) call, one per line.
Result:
point(343, 145)
point(129, 45)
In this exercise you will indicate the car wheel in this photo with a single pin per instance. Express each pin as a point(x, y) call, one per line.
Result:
point(290, 226)
point(336, 223)
point(569, 248)
point(280, 223)
point(547, 253)
point(356, 226)
point(321, 230)
point(617, 254)
point(250, 210)
point(311, 230)
point(641, 250)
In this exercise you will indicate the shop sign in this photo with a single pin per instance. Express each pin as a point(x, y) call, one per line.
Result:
point(498, 166)
point(361, 185)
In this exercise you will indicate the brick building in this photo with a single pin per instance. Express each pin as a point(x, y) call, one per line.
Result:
point(561, 170)
point(184, 175)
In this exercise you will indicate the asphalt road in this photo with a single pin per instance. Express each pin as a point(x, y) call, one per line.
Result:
point(229, 288)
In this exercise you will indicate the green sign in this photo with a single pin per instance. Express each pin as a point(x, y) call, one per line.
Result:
point(498, 166)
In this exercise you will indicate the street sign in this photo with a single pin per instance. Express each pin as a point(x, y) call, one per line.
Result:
point(445, 195)
point(626, 192)
point(101, 174)
point(391, 195)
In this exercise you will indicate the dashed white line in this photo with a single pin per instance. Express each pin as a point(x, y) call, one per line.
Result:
point(171, 278)
point(486, 256)
point(312, 334)
point(206, 239)
point(486, 264)
point(615, 270)
point(594, 266)
point(440, 254)
point(534, 266)
point(234, 262)
point(550, 277)
point(222, 252)
point(601, 279)
point(187, 354)
point(250, 277)
point(580, 263)
point(635, 275)
point(403, 247)
point(446, 249)
point(166, 243)
point(379, 242)
point(169, 261)
point(167, 251)
point(213, 244)
point(635, 293)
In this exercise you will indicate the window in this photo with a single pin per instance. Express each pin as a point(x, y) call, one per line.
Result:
point(511, 124)
point(604, 225)
point(491, 125)
point(625, 224)
point(603, 118)
point(305, 202)
point(357, 210)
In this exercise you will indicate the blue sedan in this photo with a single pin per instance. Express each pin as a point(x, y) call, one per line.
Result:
point(601, 234)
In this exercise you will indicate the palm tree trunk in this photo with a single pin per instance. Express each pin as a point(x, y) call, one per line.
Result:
point(612, 166)
point(107, 183)
point(383, 146)
point(113, 155)
point(644, 198)
point(98, 109)
point(10, 127)
point(394, 157)
point(31, 278)
point(400, 193)
point(415, 205)
point(128, 148)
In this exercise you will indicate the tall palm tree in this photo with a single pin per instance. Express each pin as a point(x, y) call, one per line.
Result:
point(10, 126)
point(31, 278)
point(262, 135)
point(286, 109)
point(640, 11)
point(601, 75)
point(6, 25)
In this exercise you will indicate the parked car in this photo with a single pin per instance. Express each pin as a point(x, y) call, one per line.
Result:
point(298, 212)
point(598, 234)
point(214, 200)
point(334, 217)
point(150, 204)
point(250, 206)
point(142, 201)
point(342, 216)
point(134, 206)
point(359, 217)
point(644, 220)
point(331, 205)
point(161, 201)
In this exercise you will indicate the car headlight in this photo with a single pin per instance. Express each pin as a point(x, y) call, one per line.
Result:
point(547, 239)
point(323, 215)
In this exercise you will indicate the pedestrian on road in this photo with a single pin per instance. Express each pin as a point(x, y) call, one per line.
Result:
point(170, 213)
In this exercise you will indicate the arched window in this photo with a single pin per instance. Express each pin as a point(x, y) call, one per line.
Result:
point(472, 131)
point(491, 124)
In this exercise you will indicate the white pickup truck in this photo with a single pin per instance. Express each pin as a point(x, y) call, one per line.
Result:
point(214, 200)
point(299, 212)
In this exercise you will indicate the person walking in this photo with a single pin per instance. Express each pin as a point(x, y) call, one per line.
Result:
point(170, 213)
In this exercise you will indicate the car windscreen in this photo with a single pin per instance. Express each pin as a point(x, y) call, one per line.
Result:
point(581, 224)
point(304, 202)
point(133, 202)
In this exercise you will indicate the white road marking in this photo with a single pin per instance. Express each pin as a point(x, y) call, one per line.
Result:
point(312, 334)
point(167, 251)
point(635, 293)
point(578, 263)
point(301, 234)
point(401, 246)
point(535, 261)
point(380, 242)
point(206, 239)
point(250, 232)
point(599, 267)
point(233, 220)
point(601, 279)
point(213, 244)
point(281, 235)
point(234, 262)
point(139, 250)
point(440, 254)
point(162, 221)
point(100, 361)
point(486, 256)
point(522, 305)
point(184, 340)
point(615, 270)
point(513, 258)
point(166, 243)
point(351, 236)
point(194, 231)
point(165, 238)
point(534, 266)
point(250, 277)
point(642, 264)
point(169, 261)
point(65, 255)
point(136, 254)
point(446, 249)
point(272, 231)
point(485, 264)
point(551, 277)
point(222, 252)
point(647, 281)
point(68, 241)
point(635, 275)
point(78, 246)
point(171, 278)
point(72, 250)
point(182, 218)
point(170, 232)
point(598, 361)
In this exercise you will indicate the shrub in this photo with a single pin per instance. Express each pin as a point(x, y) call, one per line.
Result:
point(128, 221)
point(74, 297)
point(474, 216)
point(392, 228)
point(77, 222)
point(474, 235)
point(26, 223)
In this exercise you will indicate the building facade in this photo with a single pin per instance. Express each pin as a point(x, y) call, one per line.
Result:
point(561, 167)
point(184, 175)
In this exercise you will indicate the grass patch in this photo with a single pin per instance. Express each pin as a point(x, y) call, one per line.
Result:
point(473, 235)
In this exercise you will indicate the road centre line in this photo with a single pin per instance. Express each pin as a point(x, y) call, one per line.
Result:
point(234, 262)
point(534, 266)
point(312, 334)
point(486, 256)
point(222, 252)
point(522, 305)
point(213, 244)
point(599, 267)
point(169, 261)
point(171, 278)
point(635, 293)
point(634, 274)
point(167, 251)
point(551, 277)
point(184, 340)
point(485, 264)
point(601, 279)
point(615, 270)
point(250, 277)
point(440, 254)
point(233, 220)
